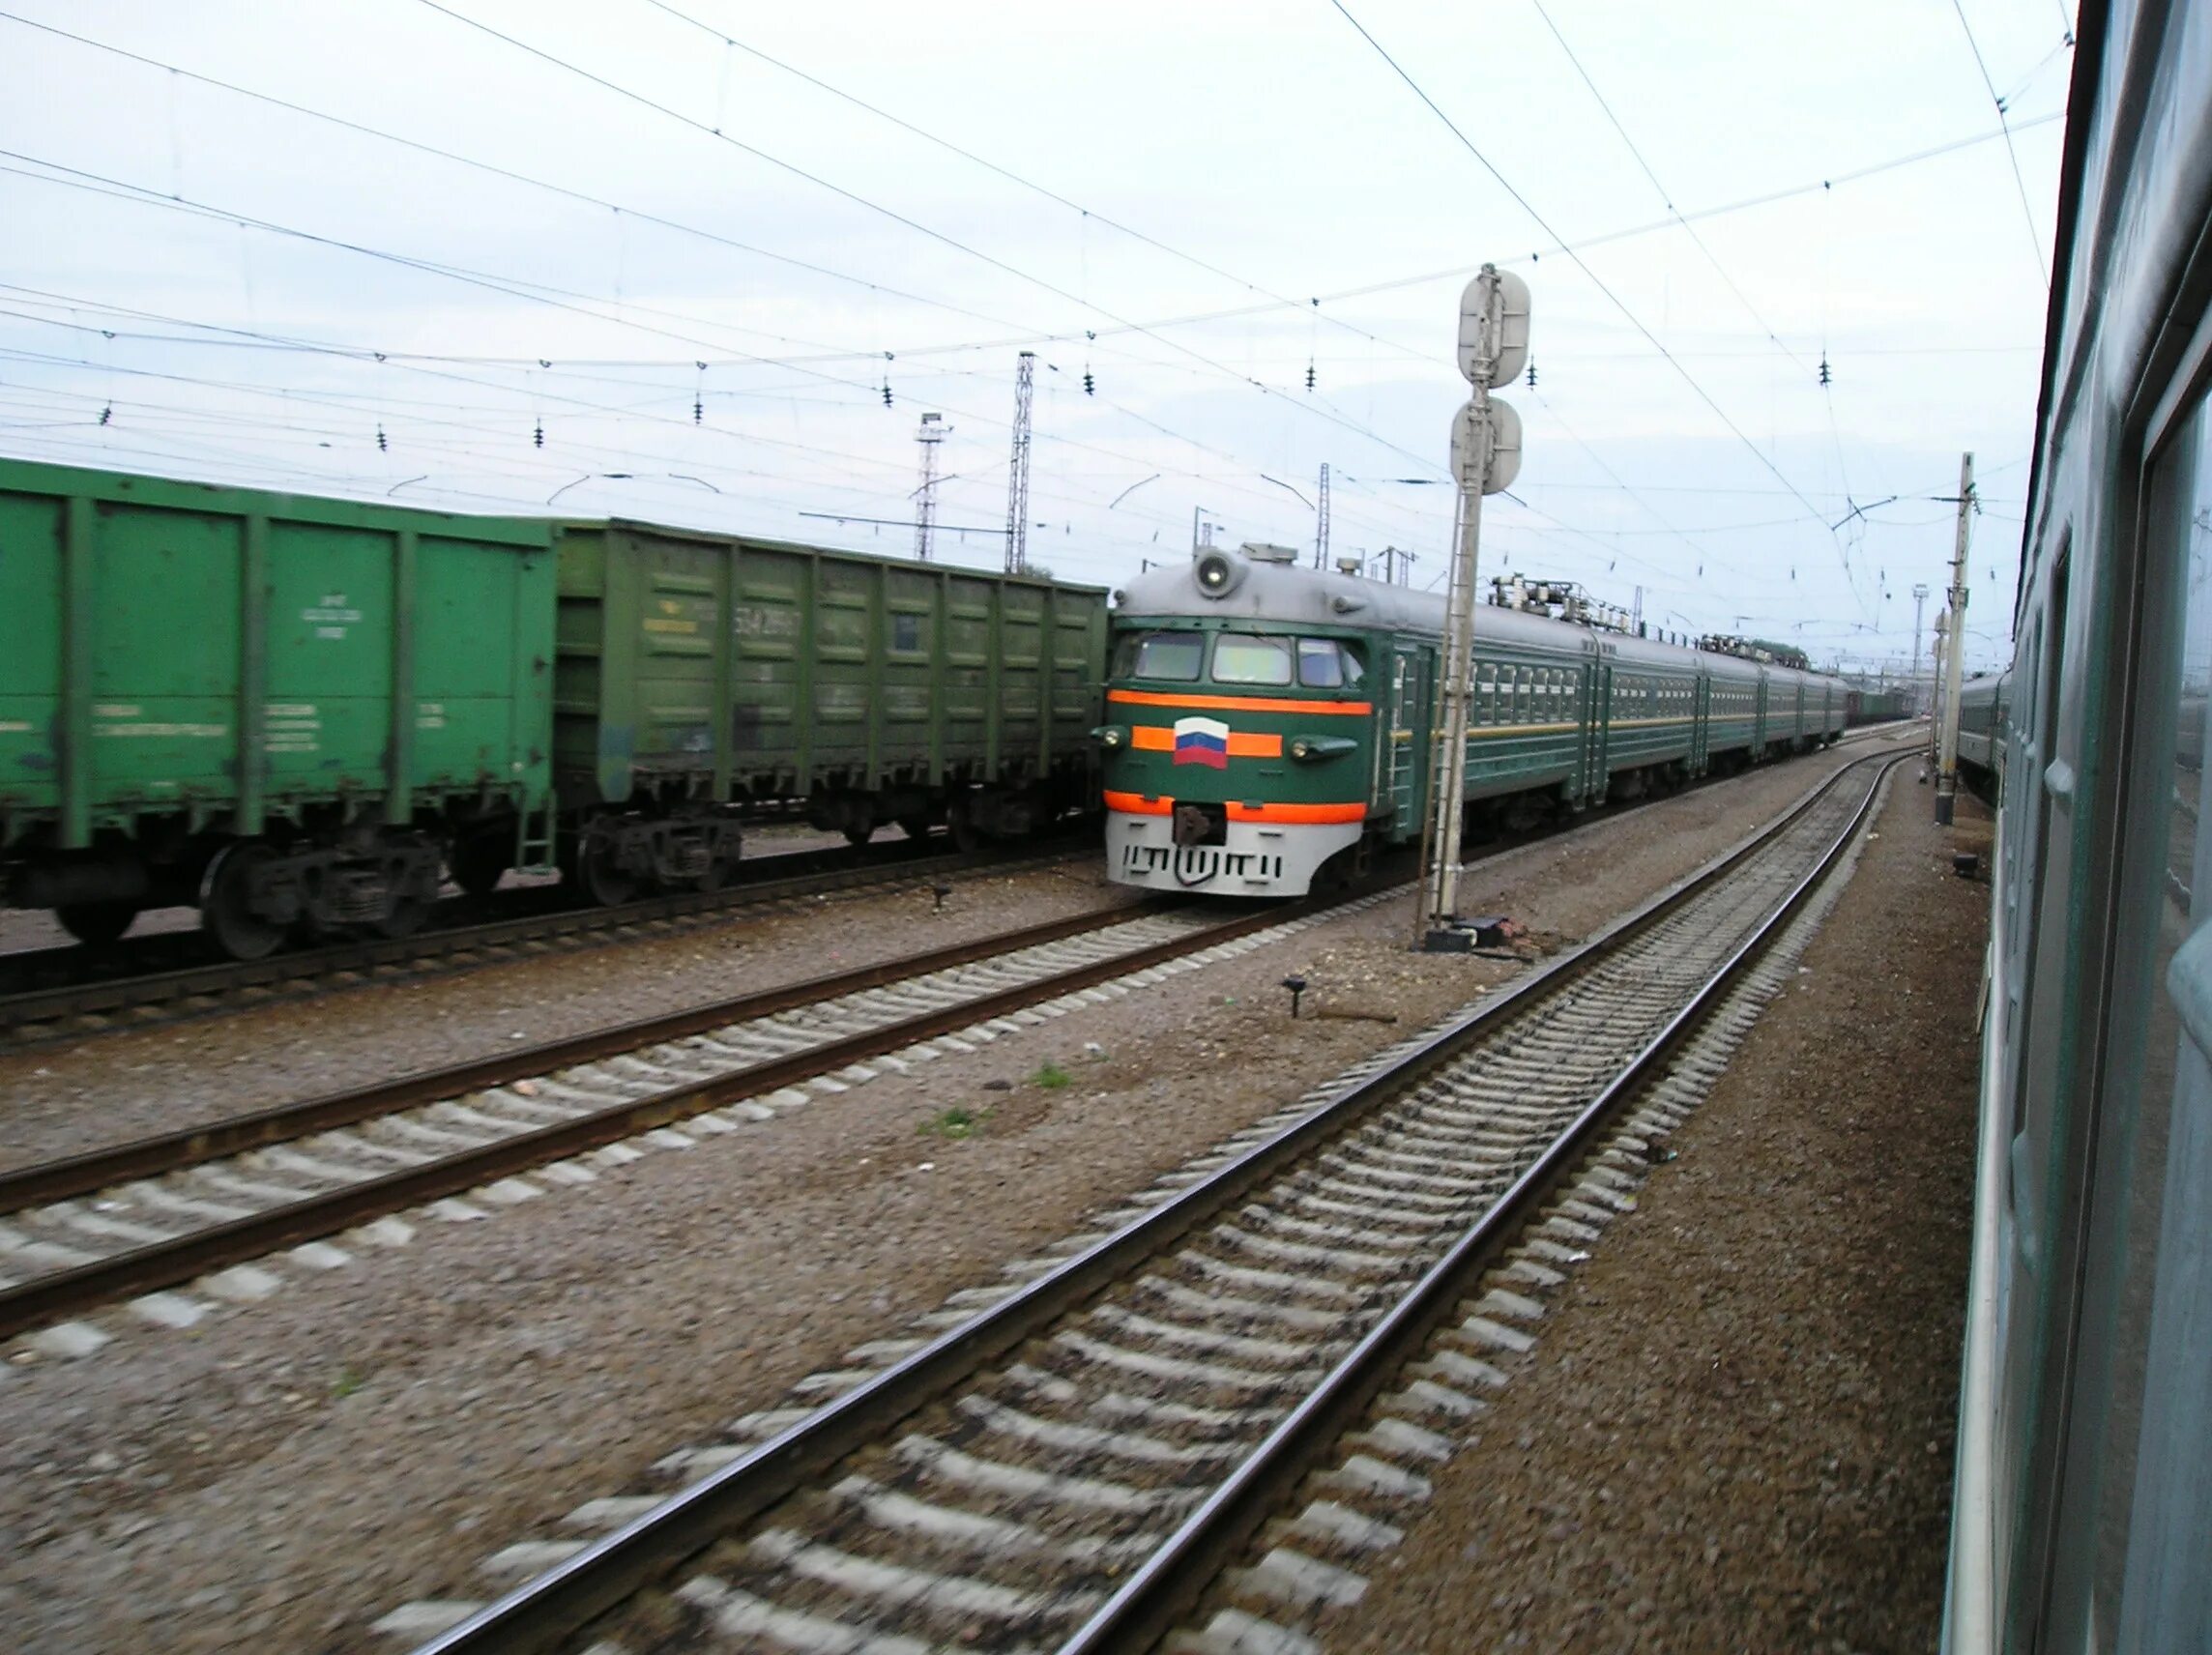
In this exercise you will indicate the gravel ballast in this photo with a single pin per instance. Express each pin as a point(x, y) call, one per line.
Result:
point(67, 1097)
point(283, 1472)
point(1736, 1431)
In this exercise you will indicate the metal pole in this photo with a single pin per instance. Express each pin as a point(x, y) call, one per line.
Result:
point(1018, 472)
point(1912, 678)
point(1948, 773)
point(1321, 521)
point(932, 432)
point(1456, 666)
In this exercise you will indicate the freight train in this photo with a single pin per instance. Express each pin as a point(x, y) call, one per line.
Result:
point(1875, 706)
point(2082, 1513)
point(1266, 721)
point(299, 713)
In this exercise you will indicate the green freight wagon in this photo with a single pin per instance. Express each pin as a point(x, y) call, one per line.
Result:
point(279, 708)
point(703, 679)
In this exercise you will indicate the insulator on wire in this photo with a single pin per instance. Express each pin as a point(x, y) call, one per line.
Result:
point(382, 446)
point(1531, 373)
point(1825, 376)
point(1090, 385)
point(108, 412)
point(1309, 376)
point(698, 410)
point(538, 434)
point(886, 393)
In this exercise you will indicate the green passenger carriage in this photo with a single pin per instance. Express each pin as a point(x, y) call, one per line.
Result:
point(1264, 720)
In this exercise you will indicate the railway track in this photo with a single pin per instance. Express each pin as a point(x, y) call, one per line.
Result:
point(71, 992)
point(134, 1220)
point(58, 993)
point(1088, 1445)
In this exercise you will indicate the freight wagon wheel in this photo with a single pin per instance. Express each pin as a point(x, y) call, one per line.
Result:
point(226, 903)
point(95, 923)
point(967, 837)
point(477, 862)
point(605, 883)
point(913, 827)
point(404, 917)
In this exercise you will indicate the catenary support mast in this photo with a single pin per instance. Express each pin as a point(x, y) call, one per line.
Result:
point(933, 431)
point(1018, 474)
point(1954, 659)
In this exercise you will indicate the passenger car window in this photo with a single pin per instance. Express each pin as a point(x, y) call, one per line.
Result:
point(1176, 656)
point(1244, 658)
point(2161, 1093)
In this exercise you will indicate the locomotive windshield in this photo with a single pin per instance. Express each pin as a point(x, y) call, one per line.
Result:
point(1238, 657)
point(1245, 657)
point(1178, 656)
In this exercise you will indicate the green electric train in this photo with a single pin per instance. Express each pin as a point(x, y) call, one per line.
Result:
point(1265, 721)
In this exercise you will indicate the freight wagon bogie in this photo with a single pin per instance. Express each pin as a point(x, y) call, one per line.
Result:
point(254, 894)
point(614, 858)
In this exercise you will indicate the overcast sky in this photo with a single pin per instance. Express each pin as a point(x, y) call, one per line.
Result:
point(205, 282)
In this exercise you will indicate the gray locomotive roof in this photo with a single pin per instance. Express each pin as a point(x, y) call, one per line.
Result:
point(1295, 596)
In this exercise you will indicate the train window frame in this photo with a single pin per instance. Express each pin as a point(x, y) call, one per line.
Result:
point(1350, 674)
point(1137, 644)
point(1279, 644)
point(2108, 1212)
point(2103, 1507)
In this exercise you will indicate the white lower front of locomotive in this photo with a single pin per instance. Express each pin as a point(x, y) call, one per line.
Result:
point(1255, 859)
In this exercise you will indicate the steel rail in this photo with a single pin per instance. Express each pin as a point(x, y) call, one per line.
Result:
point(161, 1264)
point(37, 1005)
point(1147, 1605)
point(538, 1614)
point(26, 1009)
point(193, 1146)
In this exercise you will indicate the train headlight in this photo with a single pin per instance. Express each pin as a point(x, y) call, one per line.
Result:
point(1218, 573)
point(1110, 737)
point(1312, 749)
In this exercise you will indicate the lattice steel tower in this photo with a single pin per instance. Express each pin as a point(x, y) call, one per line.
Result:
point(934, 430)
point(1018, 476)
point(1321, 522)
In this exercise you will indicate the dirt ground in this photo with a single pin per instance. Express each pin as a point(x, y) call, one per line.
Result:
point(1736, 1431)
point(283, 1472)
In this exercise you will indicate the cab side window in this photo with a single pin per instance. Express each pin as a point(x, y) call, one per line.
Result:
point(1328, 663)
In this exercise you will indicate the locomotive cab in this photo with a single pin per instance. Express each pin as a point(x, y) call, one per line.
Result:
point(1240, 737)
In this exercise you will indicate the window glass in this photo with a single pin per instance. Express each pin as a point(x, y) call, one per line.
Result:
point(1325, 664)
point(1245, 657)
point(906, 631)
point(1176, 656)
point(2171, 864)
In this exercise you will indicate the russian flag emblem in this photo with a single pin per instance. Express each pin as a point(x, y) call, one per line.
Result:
point(1202, 741)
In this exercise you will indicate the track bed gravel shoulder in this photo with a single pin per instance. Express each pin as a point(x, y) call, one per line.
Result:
point(284, 1472)
point(61, 1099)
point(1737, 1429)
